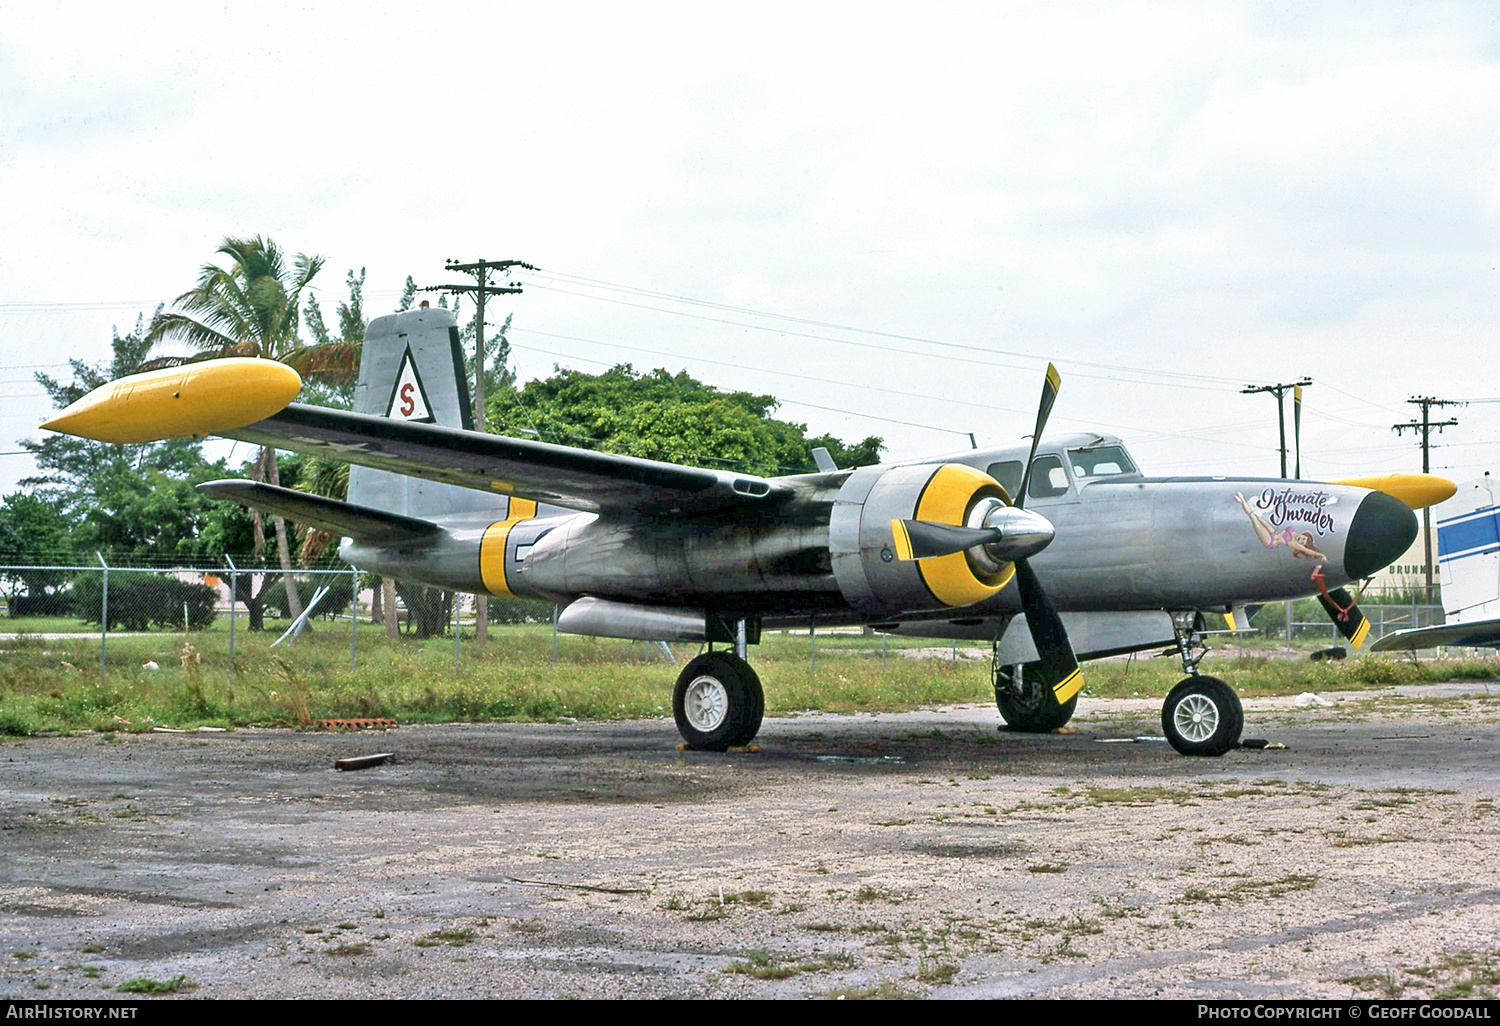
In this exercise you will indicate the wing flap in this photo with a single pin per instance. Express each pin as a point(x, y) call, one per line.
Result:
point(579, 479)
point(340, 518)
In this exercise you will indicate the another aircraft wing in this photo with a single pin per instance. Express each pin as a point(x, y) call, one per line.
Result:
point(578, 479)
point(1478, 634)
point(362, 523)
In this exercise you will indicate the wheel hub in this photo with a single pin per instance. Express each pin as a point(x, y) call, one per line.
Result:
point(1196, 717)
point(706, 704)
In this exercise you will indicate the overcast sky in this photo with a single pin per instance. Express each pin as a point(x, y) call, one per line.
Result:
point(889, 216)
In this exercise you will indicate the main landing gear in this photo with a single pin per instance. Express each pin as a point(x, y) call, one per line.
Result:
point(718, 702)
point(1202, 715)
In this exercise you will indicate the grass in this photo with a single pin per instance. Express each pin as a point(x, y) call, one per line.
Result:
point(1463, 975)
point(362, 948)
point(55, 685)
point(146, 985)
point(453, 938)
point(760, 964)
point(885, 990)
point(1253, 890)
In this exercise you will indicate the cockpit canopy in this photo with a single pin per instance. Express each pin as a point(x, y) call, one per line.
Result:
point(1086, 457)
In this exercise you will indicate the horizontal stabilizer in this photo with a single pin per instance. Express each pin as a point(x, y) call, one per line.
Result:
point(1479, 634)
point(361, 523)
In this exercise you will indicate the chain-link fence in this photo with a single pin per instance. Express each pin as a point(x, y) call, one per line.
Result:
point(1388, 610)
point(217, 606)
point(64, 601)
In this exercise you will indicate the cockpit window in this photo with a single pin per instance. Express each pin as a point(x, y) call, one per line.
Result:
point(1103, 461)
point(1008, 474)
point(1048, 478)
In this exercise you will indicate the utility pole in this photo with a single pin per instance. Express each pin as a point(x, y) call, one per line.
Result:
point(1427, 426)
point(480, 270)
point(1280, 390)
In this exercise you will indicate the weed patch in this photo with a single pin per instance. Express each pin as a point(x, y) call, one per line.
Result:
point(1253, 890)
point(760, 964)
point(146, 985)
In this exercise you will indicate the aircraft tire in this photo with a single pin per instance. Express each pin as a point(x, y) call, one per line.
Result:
point(718, 702)
point(1029, 709)
point(1202, 716)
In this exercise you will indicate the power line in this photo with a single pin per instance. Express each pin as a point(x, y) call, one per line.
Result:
point(1426, 426)
point(480, 270)
point(1280, 391)
point(634, 290)
point(989, 407)
point(1195, 381)
point(84, 305)
point(762, 370)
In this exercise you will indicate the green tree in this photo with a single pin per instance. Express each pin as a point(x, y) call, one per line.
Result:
point(230, 528)
point(250, 308)
point(498, 374)
point(334, 384)
point(665, 416)
point(33, 530)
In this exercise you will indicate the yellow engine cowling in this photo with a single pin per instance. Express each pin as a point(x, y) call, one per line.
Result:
point(868, 571)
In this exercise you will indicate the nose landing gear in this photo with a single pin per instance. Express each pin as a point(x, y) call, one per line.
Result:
point(1202, 715)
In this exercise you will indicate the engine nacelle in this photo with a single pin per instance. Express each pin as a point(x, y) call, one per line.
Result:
point(830, 548)
point(865, 566)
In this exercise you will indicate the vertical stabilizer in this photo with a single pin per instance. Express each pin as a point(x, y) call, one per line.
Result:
point(412, 368)
point(1468, 529)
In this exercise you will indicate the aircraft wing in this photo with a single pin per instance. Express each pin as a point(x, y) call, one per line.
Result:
point(1478, 634)
point(578, 479)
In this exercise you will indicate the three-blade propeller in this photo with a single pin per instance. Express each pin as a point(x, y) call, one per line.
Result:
point(1013, 534)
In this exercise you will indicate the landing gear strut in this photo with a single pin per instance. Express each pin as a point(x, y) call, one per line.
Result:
point(1202, 715)
point(1028, 704)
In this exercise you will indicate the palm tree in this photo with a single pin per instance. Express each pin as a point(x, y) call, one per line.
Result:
point(250, 309)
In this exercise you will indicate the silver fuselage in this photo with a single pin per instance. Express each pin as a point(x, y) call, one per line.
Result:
point(1123, 542)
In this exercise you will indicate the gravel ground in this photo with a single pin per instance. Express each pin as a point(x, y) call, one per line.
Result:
point(920, 854)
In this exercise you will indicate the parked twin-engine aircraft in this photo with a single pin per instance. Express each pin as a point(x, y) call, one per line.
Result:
point(1060, 552)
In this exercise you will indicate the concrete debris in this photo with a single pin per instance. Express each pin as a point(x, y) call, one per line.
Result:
point(364, 761)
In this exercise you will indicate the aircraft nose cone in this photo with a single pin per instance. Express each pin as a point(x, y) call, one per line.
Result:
point(1383, 528)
